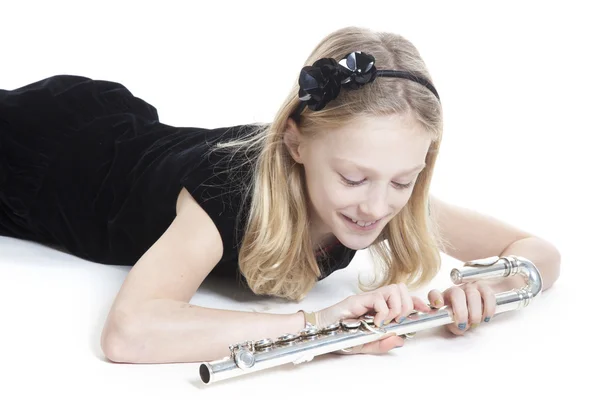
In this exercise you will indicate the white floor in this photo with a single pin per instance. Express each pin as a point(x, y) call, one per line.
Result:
point(54, 305)
point(519, 83)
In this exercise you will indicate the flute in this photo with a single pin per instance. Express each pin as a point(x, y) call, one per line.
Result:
point(251, 356)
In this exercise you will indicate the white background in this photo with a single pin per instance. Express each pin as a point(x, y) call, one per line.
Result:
point(519, 85)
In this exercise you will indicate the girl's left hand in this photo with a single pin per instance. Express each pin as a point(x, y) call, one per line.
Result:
point(471, 303)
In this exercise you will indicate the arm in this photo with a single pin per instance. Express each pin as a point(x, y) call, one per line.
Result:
point(151, 320)
point(171, 331)
point(471, 236)
point(541, 253)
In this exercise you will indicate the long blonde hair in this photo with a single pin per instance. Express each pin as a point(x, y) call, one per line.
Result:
point(276, 254)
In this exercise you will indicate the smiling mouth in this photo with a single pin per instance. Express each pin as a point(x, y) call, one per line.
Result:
point(369, 226)
point(363, 224)
point(355, 220)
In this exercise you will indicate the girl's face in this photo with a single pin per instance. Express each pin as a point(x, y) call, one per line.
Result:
point(363, 172)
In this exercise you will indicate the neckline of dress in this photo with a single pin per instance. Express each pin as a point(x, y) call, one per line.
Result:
point(325, 250)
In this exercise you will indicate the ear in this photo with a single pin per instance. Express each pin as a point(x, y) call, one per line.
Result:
point(292, 139)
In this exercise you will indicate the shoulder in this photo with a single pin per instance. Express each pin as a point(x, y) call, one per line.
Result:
point(198, 222)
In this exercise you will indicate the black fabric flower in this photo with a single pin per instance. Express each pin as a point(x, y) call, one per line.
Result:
point(360, 69)
point(322, 82)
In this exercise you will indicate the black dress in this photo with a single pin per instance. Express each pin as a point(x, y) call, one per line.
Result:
point(87, 167)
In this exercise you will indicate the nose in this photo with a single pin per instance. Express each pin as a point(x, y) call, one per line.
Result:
point(375, 205)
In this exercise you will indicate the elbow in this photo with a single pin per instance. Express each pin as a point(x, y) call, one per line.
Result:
point(117, 340)
point(552, 262)
point(114, 348)
point(557, 264)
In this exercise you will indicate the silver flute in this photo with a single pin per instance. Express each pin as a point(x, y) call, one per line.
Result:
point(251, 356)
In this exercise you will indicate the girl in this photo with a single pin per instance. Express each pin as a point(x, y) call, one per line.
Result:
point(346, 164)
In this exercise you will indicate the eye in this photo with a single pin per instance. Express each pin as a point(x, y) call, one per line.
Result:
point(357, 183)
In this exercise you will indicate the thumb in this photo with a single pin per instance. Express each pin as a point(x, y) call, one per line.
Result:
point(383, 345)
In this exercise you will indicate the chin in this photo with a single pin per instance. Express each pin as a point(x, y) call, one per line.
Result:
point(358, 244)
point(361, 247)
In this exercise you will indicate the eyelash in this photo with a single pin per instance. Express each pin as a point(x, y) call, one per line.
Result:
point(398, 185)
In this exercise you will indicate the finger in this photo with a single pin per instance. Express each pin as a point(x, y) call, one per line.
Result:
point(453, 329)
point(456, 298)
point(394, 302)
point(420, 304)
point(383, 345)
point(407, 303)
point(474, 305)
point(436, 299)
point(489, 302)
point(381, 308)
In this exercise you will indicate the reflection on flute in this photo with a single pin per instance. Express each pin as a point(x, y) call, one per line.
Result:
point(254, 356)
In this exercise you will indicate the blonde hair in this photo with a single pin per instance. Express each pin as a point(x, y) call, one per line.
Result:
point(276, 254)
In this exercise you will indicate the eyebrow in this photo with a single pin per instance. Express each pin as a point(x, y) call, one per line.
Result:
point(367, 169)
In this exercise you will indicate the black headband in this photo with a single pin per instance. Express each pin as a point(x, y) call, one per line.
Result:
point(321, 82)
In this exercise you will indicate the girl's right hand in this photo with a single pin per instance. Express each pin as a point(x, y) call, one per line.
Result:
point(392, 302)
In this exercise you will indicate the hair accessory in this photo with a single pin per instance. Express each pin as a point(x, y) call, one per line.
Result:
point(322, 82)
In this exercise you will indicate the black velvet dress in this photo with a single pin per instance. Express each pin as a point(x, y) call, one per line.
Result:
point(87, 167)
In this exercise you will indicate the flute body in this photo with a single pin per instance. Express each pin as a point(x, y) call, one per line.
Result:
point(251, 356)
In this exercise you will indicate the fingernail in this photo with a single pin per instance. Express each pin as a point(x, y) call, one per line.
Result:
point(387, 322)
point(487, 319)
point(473, 326)
point(438, 303)
point(462, 326)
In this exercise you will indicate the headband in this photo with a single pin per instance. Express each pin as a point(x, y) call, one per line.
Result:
point(321, 82)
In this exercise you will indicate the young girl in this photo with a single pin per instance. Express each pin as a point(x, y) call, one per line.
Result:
point(346, 164)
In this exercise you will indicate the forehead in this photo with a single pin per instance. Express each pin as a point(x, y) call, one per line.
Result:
point(380, 142)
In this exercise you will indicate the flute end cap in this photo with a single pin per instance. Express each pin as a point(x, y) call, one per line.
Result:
point(456, 276)
point(205, 373)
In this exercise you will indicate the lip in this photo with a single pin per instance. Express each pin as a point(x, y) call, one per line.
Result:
point(358, 227)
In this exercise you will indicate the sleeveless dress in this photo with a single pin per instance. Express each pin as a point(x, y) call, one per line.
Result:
point(87, 167)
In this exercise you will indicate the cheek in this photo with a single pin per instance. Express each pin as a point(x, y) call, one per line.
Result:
point(328, 194)
point(400, 201)
point(319, 190)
